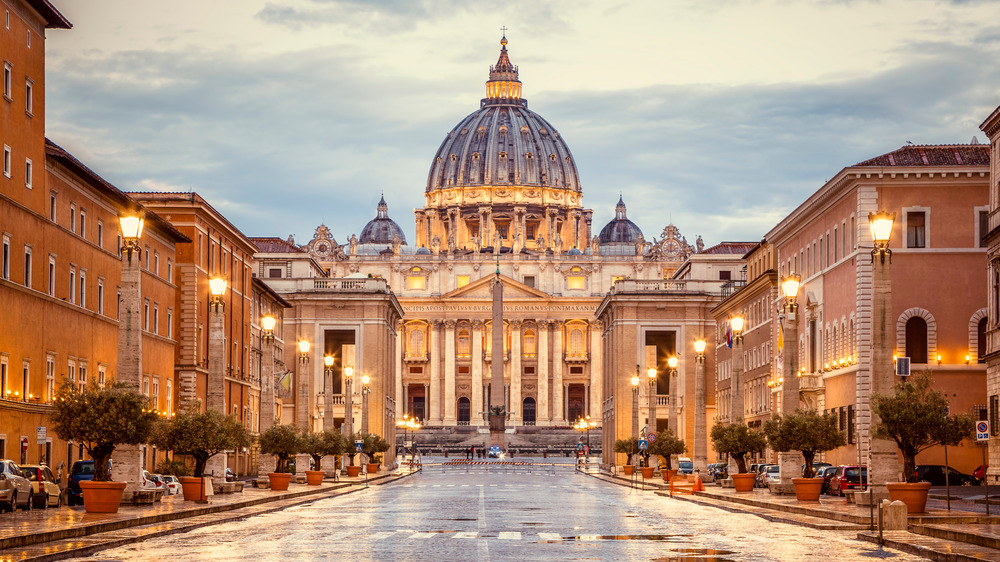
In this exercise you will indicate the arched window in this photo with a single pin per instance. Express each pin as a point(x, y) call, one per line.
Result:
point(576, 348)
point(416, 348)
point(464, 411)
point(916, 339)
point(464, 344)
point(528, 411)
point(529, 343)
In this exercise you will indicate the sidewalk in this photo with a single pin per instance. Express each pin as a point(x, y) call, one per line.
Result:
point(71, 532)
point(936, 534)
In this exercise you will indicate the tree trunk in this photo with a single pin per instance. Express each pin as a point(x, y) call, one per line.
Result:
point(808, 457)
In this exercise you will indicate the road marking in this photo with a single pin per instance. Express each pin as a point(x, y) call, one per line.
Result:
point(382, 535)
point(422, 535)
point(512, 536)
point(466, 535)
point(482, 545)
point(451, 485)
point(436, 486)
point(550, 536)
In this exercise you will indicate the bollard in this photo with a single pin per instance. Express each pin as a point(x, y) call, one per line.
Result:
point(894, 516)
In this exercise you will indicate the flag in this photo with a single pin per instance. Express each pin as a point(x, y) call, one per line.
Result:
point(729, 335)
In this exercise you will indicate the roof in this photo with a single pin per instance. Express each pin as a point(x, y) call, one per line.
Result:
point(274, 245)
point(59, 154)
point(53, 19)
point(936, 155)
point(741, 248)
point(264, 287)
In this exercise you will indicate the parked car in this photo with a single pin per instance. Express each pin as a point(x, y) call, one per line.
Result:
point(495, 452)
point(45, 491)
point(82, 470)
point(718, 471)
point(771, 474)
point(934, 473)
point(816, 468)
point(231, 476)
point(980, 473)
point(151, 481)
point(761, 481)
point(171, 484)
point(826, 473)
point(15, 489)
point(685, 466)
point(847, 477)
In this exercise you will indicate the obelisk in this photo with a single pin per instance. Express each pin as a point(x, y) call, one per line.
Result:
point(497, 408)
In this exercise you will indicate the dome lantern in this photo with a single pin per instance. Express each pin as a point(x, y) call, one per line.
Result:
point(503, 87)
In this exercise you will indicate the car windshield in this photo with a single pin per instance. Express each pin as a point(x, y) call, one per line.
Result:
point(30, 473)
point(853, 473)
point(773, 469)
point(87, 468)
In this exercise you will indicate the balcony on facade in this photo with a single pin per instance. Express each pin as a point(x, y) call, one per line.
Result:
point(326, 284)
point(731, 287)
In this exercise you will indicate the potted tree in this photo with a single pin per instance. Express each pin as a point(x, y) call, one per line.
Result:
point(101, 418)
point(736, 440)
point(372, 447)
point(201, 435)
point(628, 446)
point(809, 432)
point(667, 445)
point(317, 445)
point(915, 418)
point(283, 442)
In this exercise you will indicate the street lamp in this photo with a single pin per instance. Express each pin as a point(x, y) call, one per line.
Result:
point(131, 227)
point(880, 225)
point(700, 418)
point(651, 375)
point(672, 421)
point(635, 404)
point(789, 461)
point(267, 323)
point(409, 424)
point(304, 346)
point(883, 463)
point(327, 370)
point(365, 379)
point(217, 288)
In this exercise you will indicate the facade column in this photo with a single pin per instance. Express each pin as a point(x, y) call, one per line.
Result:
point(596, 362)
point(450, 401)
point(542, 374)
point(266, 463)
point(400, 392)
point(557, 375)
point(515, 371)
point(434, 356)
point(477, 374)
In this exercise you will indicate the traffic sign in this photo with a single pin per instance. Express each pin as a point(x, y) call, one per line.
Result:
point(40, 436)
point(982, 431)
point(651, 437)
point(642, 445)
point(358, 445)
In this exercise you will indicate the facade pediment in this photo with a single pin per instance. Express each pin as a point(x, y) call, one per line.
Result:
point(483, 289)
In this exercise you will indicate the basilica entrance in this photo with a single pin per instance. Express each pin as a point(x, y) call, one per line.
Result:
point(416, 404)
point(576, 396)
point(528, 411)
point(464, 411)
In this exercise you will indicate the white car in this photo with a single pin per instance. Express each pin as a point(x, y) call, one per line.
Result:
point(15, 489)
point(172, 484)
point(772, 474)
point(151, 481)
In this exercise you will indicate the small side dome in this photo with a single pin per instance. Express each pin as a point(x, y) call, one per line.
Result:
point(421, 251)
point(574, 252)
point(620, 230)
point(382, 229)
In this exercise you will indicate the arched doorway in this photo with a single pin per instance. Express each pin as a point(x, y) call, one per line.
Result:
point(528, 411)
point(464, 411)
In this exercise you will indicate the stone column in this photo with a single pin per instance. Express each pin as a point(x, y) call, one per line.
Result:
point(303, 410)
point(515, 370)
point(266, 463)
point(790, 462)
point(434, 357)
point(700, 416)
point(128, 458)
point(215, 386)
point(651, 395)
point(884, 465)
point(542, 409)
point(450, 401)
point(558, 417)
point(596, 361)
point(477, 373)
point(348, 402)
point(400, 389)
point(328, 417)
point(736, 390)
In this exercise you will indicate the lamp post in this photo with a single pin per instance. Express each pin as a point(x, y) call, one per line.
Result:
point(128, 458)
point(328, 361)
point(215, 391)
point(735, 388)
point(302, 406)
point(883, 464)
point(365, 390)
point(409, 424)
point(265, 463)
point(789, 461)
point(700, 418)
point(348, 402)
point(651, 375)
point(672, 408)
point(635, 406)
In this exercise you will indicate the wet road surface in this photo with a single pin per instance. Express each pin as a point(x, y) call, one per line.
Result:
point(475, 515)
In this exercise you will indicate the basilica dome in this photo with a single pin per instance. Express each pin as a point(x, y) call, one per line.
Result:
point(503, 143)
point(619, 230)
point(382, 229)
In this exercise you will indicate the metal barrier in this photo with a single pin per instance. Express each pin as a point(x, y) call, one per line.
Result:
point(496, 466)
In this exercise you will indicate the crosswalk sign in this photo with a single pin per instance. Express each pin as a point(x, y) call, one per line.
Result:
point(643, 444)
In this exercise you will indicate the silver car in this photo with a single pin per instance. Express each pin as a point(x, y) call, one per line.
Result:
point(15, 489)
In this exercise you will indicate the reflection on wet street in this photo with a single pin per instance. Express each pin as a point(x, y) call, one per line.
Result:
point(459, 515)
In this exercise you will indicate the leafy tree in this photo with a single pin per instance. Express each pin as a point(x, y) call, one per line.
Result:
point(317, 445)
point(372, 445)
point(736, 440)
point(174, 467)
point(915, 418)
point(804, 430)
point(629, 446)
point(101, 419)
point(281, 441)
point(666, 445)
point(201, 435)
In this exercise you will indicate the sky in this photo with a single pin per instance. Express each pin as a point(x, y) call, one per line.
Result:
point(717, 116)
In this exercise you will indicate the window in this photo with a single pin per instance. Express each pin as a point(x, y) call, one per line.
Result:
point(50, 377)
point(916, 229)
point(145, 386)
point(156, 319)
point(416, 347)
point(529, 343)
point(83, 223)
point(981, 340)
point(71, 371)
point(984, 227)
point(27, 266)
point(576, 347)
point(725, 275)
point(29, 104)
point(29, 38)
point(8, 72)
point(146, 255)
point(6, 161)
point(6, 257)
point(83, 376)
point(416, 282)
point(72, 217)
point(994, 414)
point(916, 339)
point(3, 377)
point(463, 280)
point(274, 272)
point(145, 315)
point(52, 206)
point(83, 288)
point(836, 245)
point(52, 276)
point(100, 233)
point(118, 307)
point(100, 296)
point(170, 270)
point(156, 263)
point(27, 173)
point(576, 282)
point(170, 397)
point(170, 323)
point(156, 393)
point(529, 280)
point(25, 380)
point(464, 344)
point(102, 375)
point(72, 283)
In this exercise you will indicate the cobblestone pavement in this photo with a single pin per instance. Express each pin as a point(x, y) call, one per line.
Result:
point(477, 515)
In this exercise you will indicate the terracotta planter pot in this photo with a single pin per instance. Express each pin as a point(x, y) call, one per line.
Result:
point(629, 469)
point(647, 471)
point(744, 482)
point(102, 497)
point(371, 468)
point(668, 474)
point(314, 477)
point(279, 480)
point(807, 489)
point(193, 488)
point(353, 471)
point(913, 494)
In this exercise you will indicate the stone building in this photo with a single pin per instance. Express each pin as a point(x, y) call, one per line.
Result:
point(989, 231)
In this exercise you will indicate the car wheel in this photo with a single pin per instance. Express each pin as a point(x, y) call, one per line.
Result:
point(59, 500)
point(45, 502)
point(30, 504)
